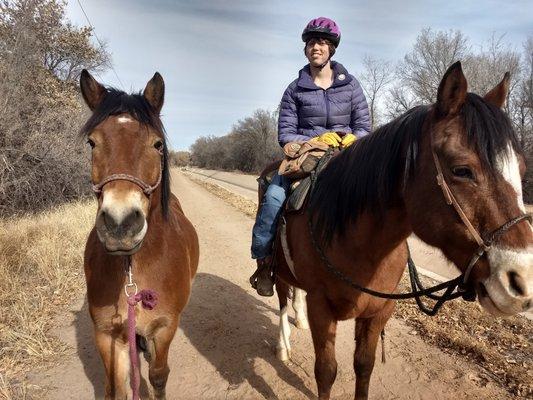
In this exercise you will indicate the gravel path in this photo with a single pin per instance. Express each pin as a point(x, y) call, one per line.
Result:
point(224, 348)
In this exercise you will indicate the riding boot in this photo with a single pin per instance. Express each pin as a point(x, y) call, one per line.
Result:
point(263, 279)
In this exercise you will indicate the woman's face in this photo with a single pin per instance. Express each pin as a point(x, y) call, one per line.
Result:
point(317, 51)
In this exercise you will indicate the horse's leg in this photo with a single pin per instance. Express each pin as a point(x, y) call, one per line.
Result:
point(158, 369)
point(298, 305)
point(284, 345)
point(116, 360)
point(367, 333)
point(323, 329)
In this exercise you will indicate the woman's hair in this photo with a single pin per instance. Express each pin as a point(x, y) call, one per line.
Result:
point(331, 48)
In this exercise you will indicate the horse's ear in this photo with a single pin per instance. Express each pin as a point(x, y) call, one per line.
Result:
point(498, 95)
point(154, 92)
point(93, 93)
point(452, 90)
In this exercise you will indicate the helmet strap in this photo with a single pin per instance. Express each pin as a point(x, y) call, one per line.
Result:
point(323, 65)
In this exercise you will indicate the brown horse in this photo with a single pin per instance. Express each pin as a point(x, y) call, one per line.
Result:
point(373, 195)
point(137, 217)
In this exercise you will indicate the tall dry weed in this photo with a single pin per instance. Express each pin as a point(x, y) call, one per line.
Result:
point(41, 269)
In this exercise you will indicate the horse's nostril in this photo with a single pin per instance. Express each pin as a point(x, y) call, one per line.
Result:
point(517, 283)
point(133, 222)
point(109, 222)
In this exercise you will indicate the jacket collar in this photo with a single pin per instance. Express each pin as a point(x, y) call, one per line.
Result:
point(341, 76)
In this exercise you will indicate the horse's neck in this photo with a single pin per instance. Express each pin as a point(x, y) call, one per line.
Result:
point(376, 236)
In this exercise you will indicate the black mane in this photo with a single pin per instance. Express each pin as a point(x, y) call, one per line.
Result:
point(369, 175)
point(118, 102)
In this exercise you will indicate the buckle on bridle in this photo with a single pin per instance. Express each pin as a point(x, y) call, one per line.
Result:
point(467, 293)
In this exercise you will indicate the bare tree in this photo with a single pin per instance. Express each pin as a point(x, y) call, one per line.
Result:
point(42, 162)
point(419, 73)
point(249, 147)
point(64, 49)
point(486, 67)
point(376, 75)
point(528, 63)
point(422, 69)
point(179, 158)
point(521, 101)
point(399, 100)
point(522, 114)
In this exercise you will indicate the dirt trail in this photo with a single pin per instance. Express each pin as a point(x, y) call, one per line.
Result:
point(224, 348)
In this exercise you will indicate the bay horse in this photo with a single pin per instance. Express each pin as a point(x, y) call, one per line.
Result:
point(374, 194)
point(138, 218)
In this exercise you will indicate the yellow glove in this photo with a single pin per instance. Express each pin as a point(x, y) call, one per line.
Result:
point(348, 140)
point(330, 138)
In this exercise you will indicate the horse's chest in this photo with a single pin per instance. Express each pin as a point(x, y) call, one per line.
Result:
point(114, 319)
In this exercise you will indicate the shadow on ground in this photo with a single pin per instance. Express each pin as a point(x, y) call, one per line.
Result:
point(226, 325)
point(231, 328)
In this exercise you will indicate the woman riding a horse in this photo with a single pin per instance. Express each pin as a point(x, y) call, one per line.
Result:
point(324, 103)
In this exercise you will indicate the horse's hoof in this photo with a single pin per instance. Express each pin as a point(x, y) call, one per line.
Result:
point(302, 324)
point(283, 354)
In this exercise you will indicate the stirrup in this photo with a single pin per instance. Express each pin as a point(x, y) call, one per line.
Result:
point(263, 273)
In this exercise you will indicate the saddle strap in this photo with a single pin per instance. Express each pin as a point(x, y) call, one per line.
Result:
point(285, 246)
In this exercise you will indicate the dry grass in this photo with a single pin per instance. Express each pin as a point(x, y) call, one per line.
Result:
point(41, 269)
point(502, 347)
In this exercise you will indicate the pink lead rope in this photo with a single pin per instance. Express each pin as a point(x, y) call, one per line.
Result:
point(148, 299)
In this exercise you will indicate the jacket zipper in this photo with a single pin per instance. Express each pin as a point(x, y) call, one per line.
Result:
point(326, 99)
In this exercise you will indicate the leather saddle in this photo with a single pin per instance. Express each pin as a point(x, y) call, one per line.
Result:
point(300, 188)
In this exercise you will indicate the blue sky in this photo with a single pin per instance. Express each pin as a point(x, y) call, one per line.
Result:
point(221, 60)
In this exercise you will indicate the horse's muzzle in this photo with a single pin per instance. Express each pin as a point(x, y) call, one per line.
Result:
point(121, 233)
point(509, 288)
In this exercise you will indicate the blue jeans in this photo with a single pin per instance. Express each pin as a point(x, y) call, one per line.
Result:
point(265, 225)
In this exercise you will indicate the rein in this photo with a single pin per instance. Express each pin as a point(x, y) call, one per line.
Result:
point(453, 288)
point(148, 299)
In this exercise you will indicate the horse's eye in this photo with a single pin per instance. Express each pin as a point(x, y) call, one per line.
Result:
point(159, 146)
point(91, 143)
point(463, 172)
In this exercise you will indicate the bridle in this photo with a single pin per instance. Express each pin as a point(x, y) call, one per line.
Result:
point(483, 244)
point(454, 288)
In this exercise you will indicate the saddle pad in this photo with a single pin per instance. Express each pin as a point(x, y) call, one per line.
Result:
point(299, 191)
point(298, 194)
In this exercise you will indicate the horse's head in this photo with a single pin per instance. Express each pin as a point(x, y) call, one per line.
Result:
point(129, 156)
point(473, 142)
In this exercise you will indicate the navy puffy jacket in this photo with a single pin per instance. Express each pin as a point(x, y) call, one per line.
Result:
point(307, 110)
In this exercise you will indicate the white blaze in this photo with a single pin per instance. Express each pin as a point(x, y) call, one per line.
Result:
point(507, 164)
point(124, 119)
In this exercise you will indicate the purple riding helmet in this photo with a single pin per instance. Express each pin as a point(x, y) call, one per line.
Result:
point(322, 27)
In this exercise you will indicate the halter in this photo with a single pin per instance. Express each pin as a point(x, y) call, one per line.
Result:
point(146, 188)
